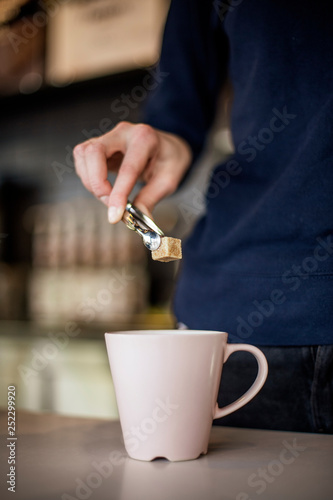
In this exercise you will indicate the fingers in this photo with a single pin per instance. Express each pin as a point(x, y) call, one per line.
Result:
point(93, 157)
point(91, 166)
point(134, 144)
point(164, 174)
point(141, 148)
point(97, 170)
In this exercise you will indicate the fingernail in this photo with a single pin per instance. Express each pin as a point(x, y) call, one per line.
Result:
point(104, 199)
point(114, 214)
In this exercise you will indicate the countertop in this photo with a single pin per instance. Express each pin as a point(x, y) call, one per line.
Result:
point(68, 458)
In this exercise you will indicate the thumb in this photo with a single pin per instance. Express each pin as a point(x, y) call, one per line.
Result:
point(143, 207)
point(157, 188)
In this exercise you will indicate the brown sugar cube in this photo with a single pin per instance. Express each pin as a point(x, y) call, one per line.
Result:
point(169, 249)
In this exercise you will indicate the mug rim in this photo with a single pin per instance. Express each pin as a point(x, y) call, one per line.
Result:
point(166, 332)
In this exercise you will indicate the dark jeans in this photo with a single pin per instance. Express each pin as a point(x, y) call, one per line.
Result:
point(297, 395)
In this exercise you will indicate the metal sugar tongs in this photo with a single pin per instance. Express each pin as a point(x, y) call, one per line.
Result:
point(137, 221)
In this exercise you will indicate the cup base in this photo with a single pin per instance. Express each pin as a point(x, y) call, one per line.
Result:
point(170, 458)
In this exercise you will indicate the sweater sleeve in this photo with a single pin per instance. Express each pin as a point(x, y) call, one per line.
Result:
point(190, 73)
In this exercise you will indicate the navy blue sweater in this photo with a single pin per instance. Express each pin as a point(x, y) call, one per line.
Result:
point(259, 263)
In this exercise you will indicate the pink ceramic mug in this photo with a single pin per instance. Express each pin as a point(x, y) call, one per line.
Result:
point(166, 384)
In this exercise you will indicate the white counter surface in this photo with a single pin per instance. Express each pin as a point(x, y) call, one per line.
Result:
point(65, 458)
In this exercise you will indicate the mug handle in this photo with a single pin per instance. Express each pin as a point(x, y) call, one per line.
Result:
point(255, 387)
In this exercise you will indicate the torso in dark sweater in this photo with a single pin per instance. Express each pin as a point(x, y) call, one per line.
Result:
point(259, 264)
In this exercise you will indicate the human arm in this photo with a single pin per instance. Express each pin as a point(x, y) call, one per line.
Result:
point(180, 111)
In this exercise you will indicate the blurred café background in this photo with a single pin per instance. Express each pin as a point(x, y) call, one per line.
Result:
point(71, 70)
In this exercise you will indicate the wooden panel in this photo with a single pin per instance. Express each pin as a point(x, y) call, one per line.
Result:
point(93, 38)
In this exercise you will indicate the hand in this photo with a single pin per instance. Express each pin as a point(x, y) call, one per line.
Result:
point(135, 151)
